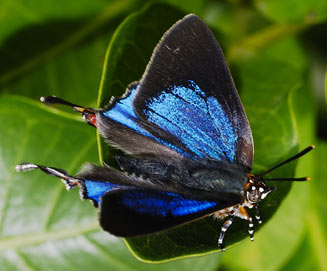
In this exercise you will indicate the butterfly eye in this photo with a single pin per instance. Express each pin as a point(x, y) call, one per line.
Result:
point(253, 194)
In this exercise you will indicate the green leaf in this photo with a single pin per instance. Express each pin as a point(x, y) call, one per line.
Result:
point(295, 11)
point(54, 55)
point(42, 226)
point(189, 6)
point(270, 116)
point(234, 19)
point(20, 14)
point(317, 215)
point(301, 259)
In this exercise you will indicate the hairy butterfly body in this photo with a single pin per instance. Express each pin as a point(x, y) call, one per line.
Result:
point(188, 138)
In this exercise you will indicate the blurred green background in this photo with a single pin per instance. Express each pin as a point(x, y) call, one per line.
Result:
point(277, 54)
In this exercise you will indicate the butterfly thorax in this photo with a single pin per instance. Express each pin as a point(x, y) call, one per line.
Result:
point(223, 183)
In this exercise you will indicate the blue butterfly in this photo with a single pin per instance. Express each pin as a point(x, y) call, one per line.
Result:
point(188, 138)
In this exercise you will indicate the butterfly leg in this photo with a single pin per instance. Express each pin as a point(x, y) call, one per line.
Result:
point(257, 214)
point(251, 228)
point(224, 228)
point(242, 213)
point(235, 211)
point(69, 181)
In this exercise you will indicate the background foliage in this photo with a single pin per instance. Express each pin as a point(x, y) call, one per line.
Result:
point(276, 55)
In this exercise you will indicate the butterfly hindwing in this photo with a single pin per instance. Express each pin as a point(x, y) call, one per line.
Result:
point(130, 205)
point(132, 212)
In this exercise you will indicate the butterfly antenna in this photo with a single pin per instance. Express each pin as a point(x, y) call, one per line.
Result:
point(69, 181)
point(296, 156)
point(87, 113)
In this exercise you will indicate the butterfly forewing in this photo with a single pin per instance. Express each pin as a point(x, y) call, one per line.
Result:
point(187, 91)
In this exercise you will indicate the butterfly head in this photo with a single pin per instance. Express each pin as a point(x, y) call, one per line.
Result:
point(256, 190)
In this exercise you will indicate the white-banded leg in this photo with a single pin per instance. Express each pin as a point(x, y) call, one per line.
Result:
point(257, 214)
point(69, 181)
point(251, 227)
point(224, 228)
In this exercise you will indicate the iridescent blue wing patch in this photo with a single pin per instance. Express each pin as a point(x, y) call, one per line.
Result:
point(119, 124)
point(94, 190)
point(197, 121)
point(187, 91)
point(139, 211)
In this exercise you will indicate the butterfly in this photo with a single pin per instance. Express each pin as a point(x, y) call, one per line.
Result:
point(188, 143)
